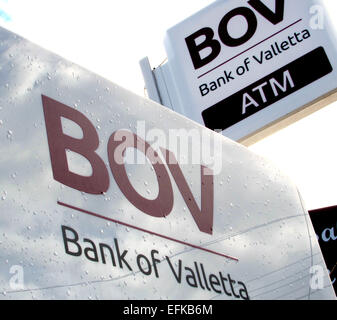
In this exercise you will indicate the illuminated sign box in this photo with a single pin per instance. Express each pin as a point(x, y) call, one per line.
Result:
point(248, 68)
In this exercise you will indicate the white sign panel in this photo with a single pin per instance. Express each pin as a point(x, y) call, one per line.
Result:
point(106, 195)
point(241, 66)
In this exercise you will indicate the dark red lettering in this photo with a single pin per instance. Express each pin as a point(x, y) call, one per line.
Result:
point(204, 216)
point(59, 142)
point(118, 143)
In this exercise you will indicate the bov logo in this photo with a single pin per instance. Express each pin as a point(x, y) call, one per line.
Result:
point(165, 166)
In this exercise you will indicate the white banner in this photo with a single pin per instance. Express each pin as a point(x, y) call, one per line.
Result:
point(107, 195)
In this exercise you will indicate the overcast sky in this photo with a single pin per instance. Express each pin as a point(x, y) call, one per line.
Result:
point(110, 37)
